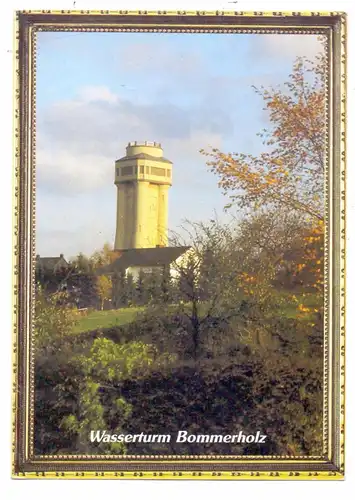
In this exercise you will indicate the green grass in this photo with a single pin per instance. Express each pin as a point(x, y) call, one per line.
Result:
point(111, 318)
point(106, 319)
point(119, 317)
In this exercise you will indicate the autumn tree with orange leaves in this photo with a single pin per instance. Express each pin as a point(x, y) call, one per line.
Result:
point(288, 177)
point(290, 173)
point(280, 195)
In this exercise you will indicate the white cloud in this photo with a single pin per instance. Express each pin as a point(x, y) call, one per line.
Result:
point(97, 93)
point(63, 170)
point(79, 140)
point(78, 143)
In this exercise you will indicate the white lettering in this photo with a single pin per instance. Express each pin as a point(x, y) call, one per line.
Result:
point(97, 436)
point(181, 437)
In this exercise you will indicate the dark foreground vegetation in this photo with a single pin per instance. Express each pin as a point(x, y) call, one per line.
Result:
point(232, 350)
point(86, 387)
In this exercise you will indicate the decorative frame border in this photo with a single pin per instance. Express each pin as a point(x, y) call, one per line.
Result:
point(25, 464)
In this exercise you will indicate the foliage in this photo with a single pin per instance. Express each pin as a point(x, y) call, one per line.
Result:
point(207, 281)
point(106, 365)
point(290, 172)
point(103, 288)
point(103, 257)
point(71, 377)
point(288, 398)
point(54, 321)
point(81, 264)
point(231, 340)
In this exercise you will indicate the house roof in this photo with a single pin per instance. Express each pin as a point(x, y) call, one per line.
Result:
point(50, 262)
point(145, 156)
point(144, 257)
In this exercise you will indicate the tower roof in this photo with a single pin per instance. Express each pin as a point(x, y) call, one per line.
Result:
point(145, 156)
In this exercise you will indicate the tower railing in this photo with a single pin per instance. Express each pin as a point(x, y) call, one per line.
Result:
point(145, 143)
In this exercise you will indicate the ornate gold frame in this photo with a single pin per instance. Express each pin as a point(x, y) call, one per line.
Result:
point(25, 464)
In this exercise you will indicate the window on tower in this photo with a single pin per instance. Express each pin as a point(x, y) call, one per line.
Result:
point(141, 169)
point(127, 170)
point(157, 171)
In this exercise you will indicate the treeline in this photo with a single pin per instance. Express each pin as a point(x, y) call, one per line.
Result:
point(272, 251)
point(86, 289)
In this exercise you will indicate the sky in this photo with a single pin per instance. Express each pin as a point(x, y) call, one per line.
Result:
point(98, 91)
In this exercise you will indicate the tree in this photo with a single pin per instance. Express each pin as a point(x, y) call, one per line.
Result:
point(129, 290)
point(204, 291)
point(81, 264)
point(290, 172)
point(53, 323)
point(140, 292)
point(103, 257)
point(54, 319)
point(281, 192)
point(103, 289)
point(103, 369)
point(78, 383)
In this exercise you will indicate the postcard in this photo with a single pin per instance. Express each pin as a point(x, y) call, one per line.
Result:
point(179, 243)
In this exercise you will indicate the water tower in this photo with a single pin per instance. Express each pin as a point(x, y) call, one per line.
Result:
point(143, 178)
